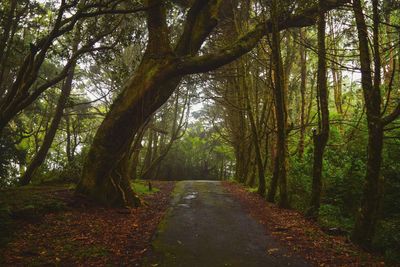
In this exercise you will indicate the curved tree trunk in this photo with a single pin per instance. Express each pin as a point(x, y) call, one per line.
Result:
point(139, 99)
point(154, 81)
point(152, 84)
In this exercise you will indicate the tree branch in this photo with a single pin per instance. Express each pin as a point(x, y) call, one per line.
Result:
point(245, 43)
point(392, 116)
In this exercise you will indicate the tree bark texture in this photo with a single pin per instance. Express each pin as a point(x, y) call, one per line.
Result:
point(320, 136)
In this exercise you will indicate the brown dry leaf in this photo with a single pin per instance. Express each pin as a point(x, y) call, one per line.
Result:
point(272, 250)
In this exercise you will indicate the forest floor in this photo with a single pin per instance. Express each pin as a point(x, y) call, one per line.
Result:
point(47, 226)
point(301, 236)
point(51, 228)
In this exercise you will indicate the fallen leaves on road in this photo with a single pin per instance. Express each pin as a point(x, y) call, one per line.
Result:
point(302, 236)
point(90, 236)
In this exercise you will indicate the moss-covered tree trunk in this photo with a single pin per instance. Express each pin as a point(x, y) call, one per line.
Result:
point(280, 105)
point(102, 180)
point(151, 85)
point(153, 82)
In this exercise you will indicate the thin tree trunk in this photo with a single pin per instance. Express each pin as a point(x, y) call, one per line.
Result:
point(336, 73)
point(320, 138)
point(273, 186)
point(132, 157)
point(149, 152)
point(40, 156)
point(68, 145)
point(367, 217)
point(280, 103)
point(258, 157)
point(303, 72)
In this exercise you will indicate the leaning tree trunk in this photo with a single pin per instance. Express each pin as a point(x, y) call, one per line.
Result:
point(151, 85)
point(40, 156)
point(101, 179)
point(320, 138)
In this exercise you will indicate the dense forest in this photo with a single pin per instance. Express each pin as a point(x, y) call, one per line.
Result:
point(297, 100)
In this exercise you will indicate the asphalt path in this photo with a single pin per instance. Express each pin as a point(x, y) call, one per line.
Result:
point(206, 227)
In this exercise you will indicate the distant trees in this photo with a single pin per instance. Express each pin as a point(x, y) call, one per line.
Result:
point(161, 139)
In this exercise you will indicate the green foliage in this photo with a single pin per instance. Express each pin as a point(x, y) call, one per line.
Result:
point(331, 216)
point(299, 186)
point(387, 239)
point(10, 156)
point(343, 180)
point(69, 174)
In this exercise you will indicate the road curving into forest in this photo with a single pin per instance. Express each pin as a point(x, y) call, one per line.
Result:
point(205, 226)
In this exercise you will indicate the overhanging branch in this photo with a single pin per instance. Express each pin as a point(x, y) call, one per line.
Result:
point(244, 44)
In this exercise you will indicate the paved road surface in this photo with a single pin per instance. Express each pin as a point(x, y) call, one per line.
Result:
point(206, 227)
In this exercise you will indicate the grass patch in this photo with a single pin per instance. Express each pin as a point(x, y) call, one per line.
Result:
point(141, 187)
point(252, 189)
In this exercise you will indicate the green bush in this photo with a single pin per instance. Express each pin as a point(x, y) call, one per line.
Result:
point(387, 239)
point(331, 216)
